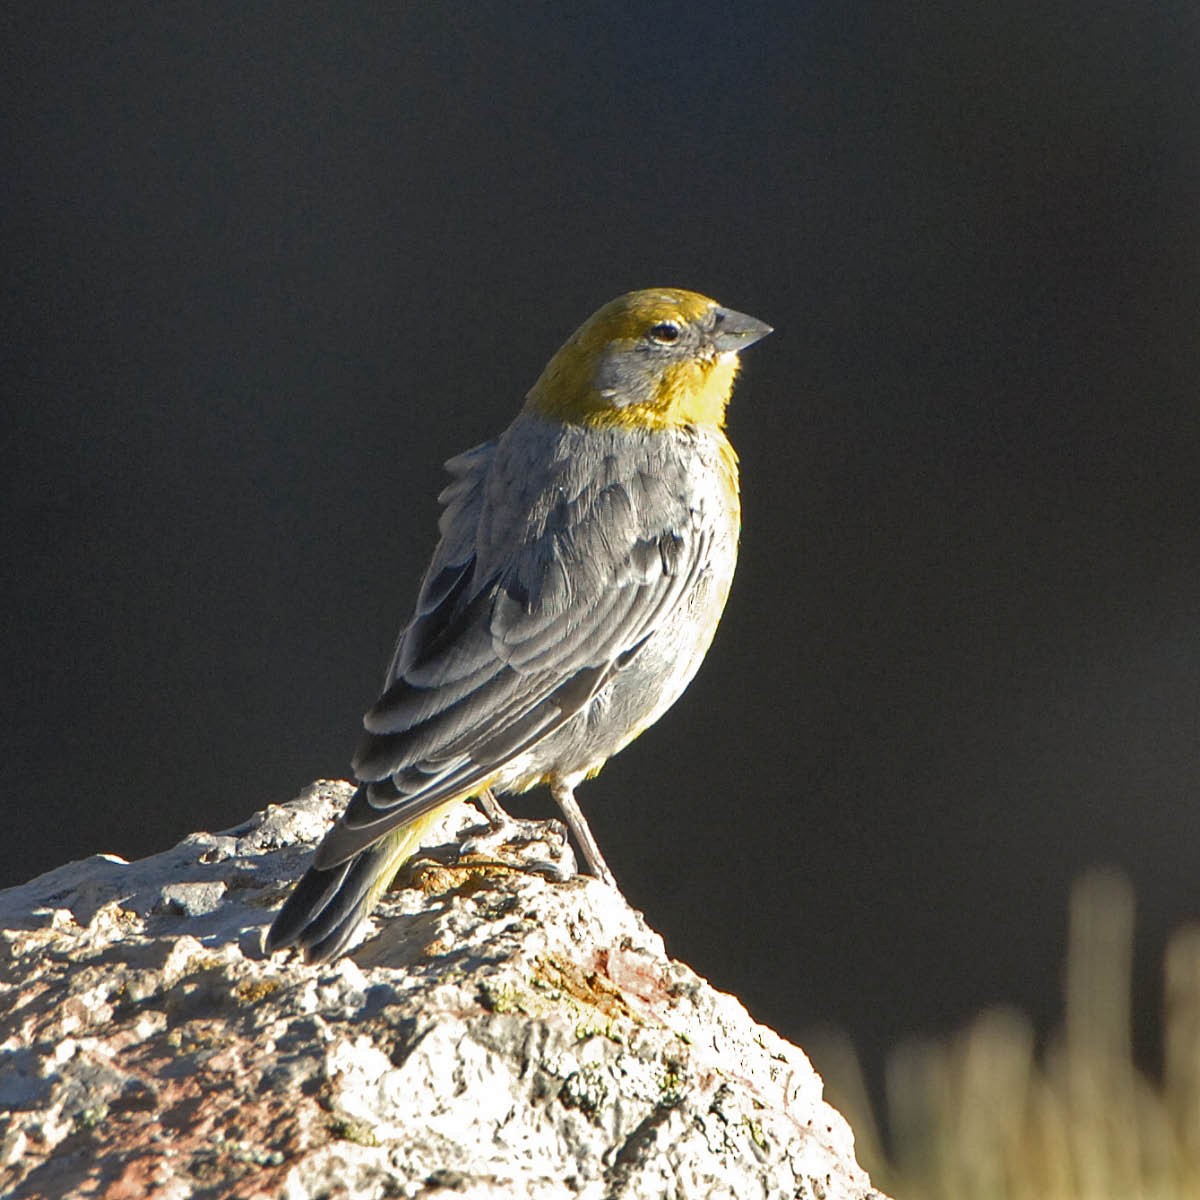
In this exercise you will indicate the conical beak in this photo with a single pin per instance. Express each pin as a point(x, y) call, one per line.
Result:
point(735, 331)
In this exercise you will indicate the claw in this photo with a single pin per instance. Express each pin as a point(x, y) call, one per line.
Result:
point(511, 843)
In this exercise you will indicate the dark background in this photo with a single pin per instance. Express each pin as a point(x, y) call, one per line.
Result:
point(267, 266)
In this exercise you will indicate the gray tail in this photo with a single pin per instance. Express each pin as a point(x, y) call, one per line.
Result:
point(327, 904)
point(325, 908)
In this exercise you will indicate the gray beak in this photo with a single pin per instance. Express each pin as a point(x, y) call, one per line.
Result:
point(735, 331)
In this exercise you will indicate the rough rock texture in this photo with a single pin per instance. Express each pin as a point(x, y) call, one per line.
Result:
point(501, 1035)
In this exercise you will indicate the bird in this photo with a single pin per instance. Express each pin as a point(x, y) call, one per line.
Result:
point(584, 562)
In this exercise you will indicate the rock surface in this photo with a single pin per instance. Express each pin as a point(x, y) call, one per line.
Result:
point(500, 1035)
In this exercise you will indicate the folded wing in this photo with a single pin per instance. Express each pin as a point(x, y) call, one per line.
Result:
point(540, 590)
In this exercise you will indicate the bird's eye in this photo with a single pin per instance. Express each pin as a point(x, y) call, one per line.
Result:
point(665, 332)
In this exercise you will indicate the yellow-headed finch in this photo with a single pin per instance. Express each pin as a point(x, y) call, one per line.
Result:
point(584, 562)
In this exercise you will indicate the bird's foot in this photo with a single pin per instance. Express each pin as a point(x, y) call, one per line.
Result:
point(537, 847)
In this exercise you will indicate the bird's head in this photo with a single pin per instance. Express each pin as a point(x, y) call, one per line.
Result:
point(657, 358)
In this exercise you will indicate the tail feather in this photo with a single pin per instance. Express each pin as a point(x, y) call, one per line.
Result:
point(326, 906)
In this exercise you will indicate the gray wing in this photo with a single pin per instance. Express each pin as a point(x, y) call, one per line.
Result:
point(544, 584)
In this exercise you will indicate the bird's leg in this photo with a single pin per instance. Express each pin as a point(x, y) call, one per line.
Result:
point(496, 816)
point(564, 797)
point(506, 831)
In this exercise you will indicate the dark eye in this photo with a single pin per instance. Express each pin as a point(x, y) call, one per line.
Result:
point(665, 332)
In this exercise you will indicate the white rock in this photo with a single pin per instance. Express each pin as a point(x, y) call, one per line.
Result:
point(500, 1035)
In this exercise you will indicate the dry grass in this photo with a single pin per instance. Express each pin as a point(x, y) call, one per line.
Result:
point(980, 1116)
